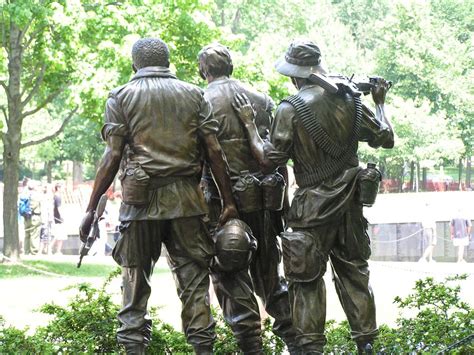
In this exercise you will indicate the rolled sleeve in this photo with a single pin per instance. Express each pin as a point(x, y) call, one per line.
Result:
point(207, 123)
point(281, 135)
point(115, 124)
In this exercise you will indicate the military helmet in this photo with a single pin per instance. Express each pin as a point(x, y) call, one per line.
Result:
point(234, 246)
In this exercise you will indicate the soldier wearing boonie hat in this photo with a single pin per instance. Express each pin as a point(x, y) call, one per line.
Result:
point(320, 131)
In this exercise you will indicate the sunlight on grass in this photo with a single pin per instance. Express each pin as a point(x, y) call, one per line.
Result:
point(8, 270)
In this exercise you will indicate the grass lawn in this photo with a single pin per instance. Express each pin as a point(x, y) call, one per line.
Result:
point(63, 268)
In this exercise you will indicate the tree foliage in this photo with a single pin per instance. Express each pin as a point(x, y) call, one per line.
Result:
point(59, 59)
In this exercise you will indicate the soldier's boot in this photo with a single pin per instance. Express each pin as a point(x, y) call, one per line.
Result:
point(203, 349)
point(310, 350)
point(135, 348)
point(252, 347)
point(292, 348)
point(365, 349)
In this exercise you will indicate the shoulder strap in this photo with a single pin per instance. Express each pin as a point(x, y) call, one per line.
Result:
point(340, 154)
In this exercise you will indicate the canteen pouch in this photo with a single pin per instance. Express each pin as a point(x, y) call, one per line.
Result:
point(273, 191)
point(302, 260)
point(135, 186)
point(247, 193)
point(368, 185)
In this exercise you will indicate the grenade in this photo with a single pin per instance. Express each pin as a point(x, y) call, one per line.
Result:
point(369, 182)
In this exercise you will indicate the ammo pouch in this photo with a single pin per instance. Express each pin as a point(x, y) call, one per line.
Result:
point(273, 191)
point(135, 186)
point(247, 193)
point(368, 182)
point(302, 261)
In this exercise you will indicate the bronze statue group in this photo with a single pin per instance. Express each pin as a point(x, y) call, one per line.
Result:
point(204, 173)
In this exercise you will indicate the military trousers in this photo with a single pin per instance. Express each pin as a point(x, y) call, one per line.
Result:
point(305, 255)
point(190, 249)
point(32, 234)
point(235, 291)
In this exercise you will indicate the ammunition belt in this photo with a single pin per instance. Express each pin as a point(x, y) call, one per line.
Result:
point(340, 154)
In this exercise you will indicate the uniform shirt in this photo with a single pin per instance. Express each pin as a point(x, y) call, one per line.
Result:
point(231, 134)
point(162, 119)
point(317, 205)
point(58, 219)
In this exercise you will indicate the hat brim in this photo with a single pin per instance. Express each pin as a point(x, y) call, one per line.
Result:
point(296, 71)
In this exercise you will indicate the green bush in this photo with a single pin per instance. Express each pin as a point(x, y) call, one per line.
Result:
point(88, 325)
point(14, 341)
point(339, 338)
point(441, 318)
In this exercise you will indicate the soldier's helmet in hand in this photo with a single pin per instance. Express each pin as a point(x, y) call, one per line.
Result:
point(235, 246)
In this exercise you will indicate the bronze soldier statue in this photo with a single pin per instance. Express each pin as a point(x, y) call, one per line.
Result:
point(157, 129)
point(319, 131)
point(259, 201)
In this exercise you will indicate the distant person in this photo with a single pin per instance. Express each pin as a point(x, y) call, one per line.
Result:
point(429, 235)
point(46, 220)
point(21, 219)
point(59, 232)
point(30, 209)
point(460, 234)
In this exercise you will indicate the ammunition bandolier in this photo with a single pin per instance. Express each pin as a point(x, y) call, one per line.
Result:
point(341, 154)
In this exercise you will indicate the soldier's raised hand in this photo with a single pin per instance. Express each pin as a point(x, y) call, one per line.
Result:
point(244, 108)
point(379, 91)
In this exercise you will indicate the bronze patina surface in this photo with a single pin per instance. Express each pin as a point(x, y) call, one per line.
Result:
point(325, 215)
point(158, 129)
point(235, 290)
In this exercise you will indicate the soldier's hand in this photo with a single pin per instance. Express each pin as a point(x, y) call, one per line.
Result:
point(244, 108)
point(85, 226)
point(379, 91)
point(228, 212)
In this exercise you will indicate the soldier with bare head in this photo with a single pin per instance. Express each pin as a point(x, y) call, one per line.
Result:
point(158, 129)
point(259, 199)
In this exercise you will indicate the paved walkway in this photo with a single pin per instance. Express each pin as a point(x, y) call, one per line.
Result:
point(20, 297)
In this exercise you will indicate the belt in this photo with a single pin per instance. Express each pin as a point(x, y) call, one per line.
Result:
point(156, 182)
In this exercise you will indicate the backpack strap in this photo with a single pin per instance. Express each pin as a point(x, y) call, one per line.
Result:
point(341, 154)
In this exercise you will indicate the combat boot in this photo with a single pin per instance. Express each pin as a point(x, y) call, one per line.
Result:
point(134, 348)
point(203, 349)
point(252, 347)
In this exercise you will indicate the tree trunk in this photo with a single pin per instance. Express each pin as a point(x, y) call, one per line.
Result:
point(402, 178)
point(424, 177)
point(11, 148)
point(49, 171)
point(417, 177)
point(11, 176)
point(460, 174)
point(77, 175)
point(468, 171)
point(412, 176)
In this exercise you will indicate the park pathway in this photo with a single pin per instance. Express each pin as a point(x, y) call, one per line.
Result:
point(21, 297)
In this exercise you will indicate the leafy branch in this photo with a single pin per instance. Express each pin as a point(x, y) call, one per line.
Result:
point(53, 135)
